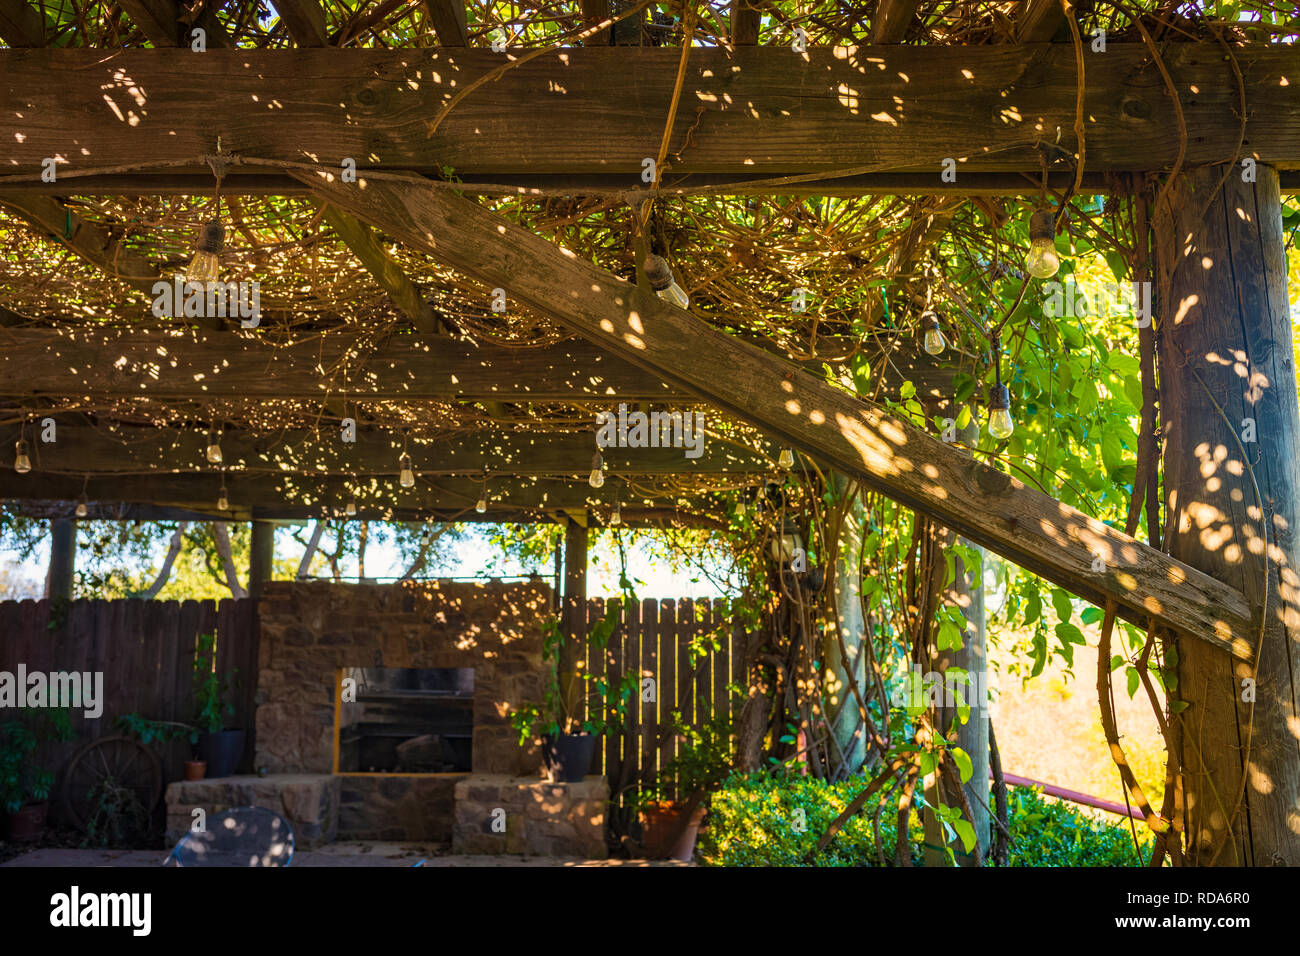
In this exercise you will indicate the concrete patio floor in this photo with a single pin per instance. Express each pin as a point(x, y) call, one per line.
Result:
point(333, 854)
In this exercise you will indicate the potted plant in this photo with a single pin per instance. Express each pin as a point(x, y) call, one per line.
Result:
point(24, 783)
point(569, 744)
point(669, 827)
point(218, 746)
point(165, 731)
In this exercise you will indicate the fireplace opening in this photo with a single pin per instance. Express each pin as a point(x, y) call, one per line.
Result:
point(406, 720)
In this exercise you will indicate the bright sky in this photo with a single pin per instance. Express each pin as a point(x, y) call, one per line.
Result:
point(474, 557)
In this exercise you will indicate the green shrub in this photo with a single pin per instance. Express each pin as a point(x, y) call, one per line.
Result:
point(755, 820)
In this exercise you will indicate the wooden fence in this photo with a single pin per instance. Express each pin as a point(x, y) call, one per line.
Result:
point(692, 651)
point(145, 650)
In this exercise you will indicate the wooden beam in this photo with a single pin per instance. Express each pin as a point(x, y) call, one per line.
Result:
point(167, 24)
point(305, 21)
point(892, 19)
point(405, 294)
point(864, 441)
point(766, 113)
point(498, 511)
point(1039, 20)
point(745, 21)
point(185, 364)
point(593, 12)
point(21, 24)
point(136, 450)
point(294, 496)
point(244, 183)
point(448, 18)
point(91, 241)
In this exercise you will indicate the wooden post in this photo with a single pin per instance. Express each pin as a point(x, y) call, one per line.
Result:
point(967, 593)
point(573, 621)
point(63, 559)
point(261, 557)
point(1231, 427)
point(846, 661)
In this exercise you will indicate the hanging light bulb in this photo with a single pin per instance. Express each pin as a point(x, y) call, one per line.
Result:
point(786, 460)
point(616, 518)
point(661, 279)
point(935, 343)
point(741, 508)
point(22, 463)
point(407, 477)
point(213, 452)
point(350, 509)
point(82, 510)
point(481, 505)
point(597, 477)
point(223, 501)
point(206, 262)
point(1042, 261)
point(1001, 424)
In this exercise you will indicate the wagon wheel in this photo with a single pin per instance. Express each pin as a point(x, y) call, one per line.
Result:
point(117, 762)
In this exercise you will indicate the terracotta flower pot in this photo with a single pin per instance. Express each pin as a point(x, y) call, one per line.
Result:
point(666, 834)
point(195, 769)
point(27, 823)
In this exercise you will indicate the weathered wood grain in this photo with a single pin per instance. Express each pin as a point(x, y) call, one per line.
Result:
point(766, 110)
point(136, 450)
point(186, 364)
point(862, 440)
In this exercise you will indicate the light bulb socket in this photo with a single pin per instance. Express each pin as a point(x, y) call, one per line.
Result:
point(1042, 225)
point(929, 321)
point(212, 238)
point(999, 398)
point(597, 462)
point(658, 272)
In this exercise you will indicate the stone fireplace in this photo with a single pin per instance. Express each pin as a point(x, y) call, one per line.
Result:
point(438, 668)
point(313, 634)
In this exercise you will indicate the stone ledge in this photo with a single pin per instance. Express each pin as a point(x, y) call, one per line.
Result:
point(308, 801)
point(541, 818)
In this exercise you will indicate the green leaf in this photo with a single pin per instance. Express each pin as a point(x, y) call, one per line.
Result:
point(907, 390)
point(1091, 615)
point(926, 764)
point(963, 417)
point(1133, 679)
point(1061, 601)
point(966, 832)
point(1178, 706)
point(963, 761)
point(1033, 607)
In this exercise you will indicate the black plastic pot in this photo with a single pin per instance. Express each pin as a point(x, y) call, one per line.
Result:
point(222, 751)
point(568, 756)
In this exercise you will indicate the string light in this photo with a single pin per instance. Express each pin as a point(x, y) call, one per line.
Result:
point(661, 279)
point(206, 264)
point(934, 341)
point(350, 509)
point(1001, 425)
point(22, 463)
point(597, 477)
point(786, 459)
point(1042, 261)
point(616, 518)
point(223, 500)
point(481, 505)
point(407, 476)
point(82, 509)
point(213, 452)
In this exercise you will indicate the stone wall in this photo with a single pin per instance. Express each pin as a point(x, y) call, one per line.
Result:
point(396, 808)
point(311, 630)
point(310, 802)
point(531, 817)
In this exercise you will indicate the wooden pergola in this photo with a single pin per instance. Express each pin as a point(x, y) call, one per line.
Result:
point(390, 171)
